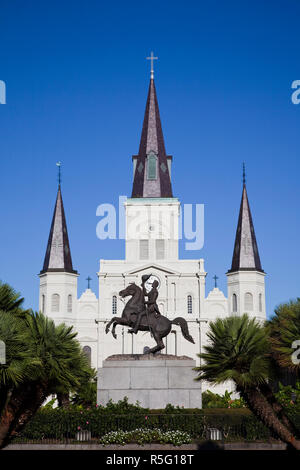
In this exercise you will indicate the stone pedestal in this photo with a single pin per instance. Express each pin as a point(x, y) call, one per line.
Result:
point(154, 381)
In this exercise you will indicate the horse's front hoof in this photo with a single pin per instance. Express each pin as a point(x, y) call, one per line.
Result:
point(106, 330)
point(114, 335)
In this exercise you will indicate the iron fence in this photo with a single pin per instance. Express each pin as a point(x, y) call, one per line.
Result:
point(200, 427)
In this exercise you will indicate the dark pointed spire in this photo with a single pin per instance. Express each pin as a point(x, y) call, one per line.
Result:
point(151, 176)
point(58, 254)
point(245, 254)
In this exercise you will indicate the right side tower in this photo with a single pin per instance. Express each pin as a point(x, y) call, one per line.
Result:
point(246, 278)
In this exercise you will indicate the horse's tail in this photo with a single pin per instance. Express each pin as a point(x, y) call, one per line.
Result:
point(184, 328)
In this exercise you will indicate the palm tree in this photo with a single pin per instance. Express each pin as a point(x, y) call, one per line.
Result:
point(10, 300)
point(20, 363)
point(284, 330)
point(86, 394)
point(238, 351)
point(19, 360)
point(60, 365)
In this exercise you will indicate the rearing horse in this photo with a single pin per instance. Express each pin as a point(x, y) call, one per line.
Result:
point(159, 327)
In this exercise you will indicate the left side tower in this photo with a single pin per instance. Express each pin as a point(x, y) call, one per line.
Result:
point(58, 279)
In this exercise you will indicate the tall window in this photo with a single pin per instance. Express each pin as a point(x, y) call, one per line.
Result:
point(260, 302)
point(144, 249)
point(43, 303)
point(88, 352)
point(69, 303)
point(160, 249)
point(114, 305)
point(152, 164)
point(234, 303)
point(55, 303)
point(189, 304)
point(248, 302)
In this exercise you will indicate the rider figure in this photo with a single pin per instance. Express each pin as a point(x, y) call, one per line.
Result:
point(150, 304)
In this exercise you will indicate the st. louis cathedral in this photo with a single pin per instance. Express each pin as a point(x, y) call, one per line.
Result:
point(151, 247)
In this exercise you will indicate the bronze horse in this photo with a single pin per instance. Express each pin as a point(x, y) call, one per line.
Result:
point(159, 326)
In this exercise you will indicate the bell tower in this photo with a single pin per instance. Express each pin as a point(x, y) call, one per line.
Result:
point(58, 279)
point(152, 213)
point(246, 278)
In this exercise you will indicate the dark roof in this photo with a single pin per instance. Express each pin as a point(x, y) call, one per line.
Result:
point(152, 139)
point(245, 254)
point(58, 254)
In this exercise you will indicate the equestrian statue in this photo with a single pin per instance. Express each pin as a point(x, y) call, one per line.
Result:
point(140, 314)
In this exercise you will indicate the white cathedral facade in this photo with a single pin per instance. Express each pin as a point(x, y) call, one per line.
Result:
point(151, 247)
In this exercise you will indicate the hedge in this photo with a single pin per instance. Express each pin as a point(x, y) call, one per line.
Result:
point(60, 424)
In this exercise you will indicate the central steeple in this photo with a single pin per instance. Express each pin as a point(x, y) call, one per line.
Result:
point(152, 165)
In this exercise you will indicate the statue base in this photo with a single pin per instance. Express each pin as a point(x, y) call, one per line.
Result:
point(153, 380)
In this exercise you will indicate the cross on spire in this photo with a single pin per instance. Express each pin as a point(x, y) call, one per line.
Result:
point(152, 58)
point(215, 279)
point(88, 279)
point(244, 174)
point(59, 172)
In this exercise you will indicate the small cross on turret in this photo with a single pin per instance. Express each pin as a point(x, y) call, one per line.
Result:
point(88, 279)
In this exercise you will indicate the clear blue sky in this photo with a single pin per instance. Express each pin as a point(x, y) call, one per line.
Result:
point(77, 81)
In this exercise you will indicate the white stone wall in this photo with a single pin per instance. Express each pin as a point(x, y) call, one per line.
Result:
point(151, 219)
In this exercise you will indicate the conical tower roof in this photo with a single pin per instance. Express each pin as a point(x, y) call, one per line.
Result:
point(152, 143)
point(245, 254)
point(58, 254)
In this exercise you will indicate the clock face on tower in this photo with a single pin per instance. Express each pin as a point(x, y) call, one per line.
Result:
point(148, 284)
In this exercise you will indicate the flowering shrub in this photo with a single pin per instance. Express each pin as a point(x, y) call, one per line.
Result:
point(146, 436)
point(289, 397)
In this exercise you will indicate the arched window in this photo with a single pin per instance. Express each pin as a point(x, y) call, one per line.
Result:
point(69, 303)
point(234, 303)
point(114, 305)
point(260, 302)
point(55, 303)
point(248, 302)
point(88, 352)
point(189, 304)
point(43, 303)
point(151, 167)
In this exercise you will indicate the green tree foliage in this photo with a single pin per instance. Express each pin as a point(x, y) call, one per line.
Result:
point(289, 397)
point(239, 350)
point(284, 330)
point(41, 359)
point(86, 393)
point(10, 300)
point(214, 400)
